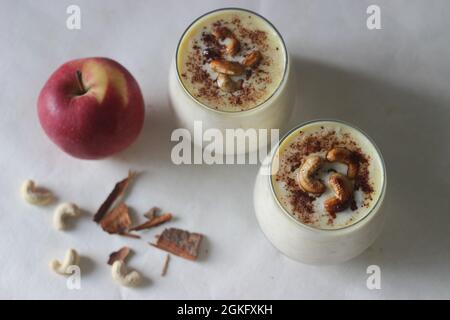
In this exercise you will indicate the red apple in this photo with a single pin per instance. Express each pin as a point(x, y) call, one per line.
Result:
point(91, 108)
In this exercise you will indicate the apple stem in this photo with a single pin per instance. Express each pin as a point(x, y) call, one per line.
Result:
point(80, 82)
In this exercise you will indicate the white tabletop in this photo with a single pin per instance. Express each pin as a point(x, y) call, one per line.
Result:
point(393, 83)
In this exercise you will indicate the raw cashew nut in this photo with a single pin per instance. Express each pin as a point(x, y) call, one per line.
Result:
point(120, 275)
point(305, 174)
point(343, 189)
point(34, 194)
point(345, 156)
point(63, 211)
point(71, 259)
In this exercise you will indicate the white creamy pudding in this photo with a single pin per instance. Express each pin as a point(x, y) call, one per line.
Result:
point(321, 202)
point(231, 60)
point(231, 70)
point(331, 145)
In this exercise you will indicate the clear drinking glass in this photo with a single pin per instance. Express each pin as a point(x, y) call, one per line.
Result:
point(306, 243)
point(273, 113)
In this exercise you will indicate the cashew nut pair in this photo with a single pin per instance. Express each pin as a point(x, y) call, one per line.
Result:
point(40, 196)
point(118, 270)
point(340, 184)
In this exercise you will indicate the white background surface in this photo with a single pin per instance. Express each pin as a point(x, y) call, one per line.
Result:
point(393, 83)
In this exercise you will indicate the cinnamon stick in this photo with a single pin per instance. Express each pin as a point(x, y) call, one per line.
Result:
point(118, 191)
point(156, 221)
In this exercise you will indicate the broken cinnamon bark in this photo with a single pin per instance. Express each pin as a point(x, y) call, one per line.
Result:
point(118, 191)
point(119, 255)
point(179, 242)
point(150, 214)
point(155, 221)
point(117, 221)
point(130, 235)
point(166, 265)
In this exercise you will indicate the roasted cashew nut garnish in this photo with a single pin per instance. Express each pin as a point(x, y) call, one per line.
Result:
point(34, 194)
point(233, 45)
point(231, 68)
point(63, 211)
point(305, 175)
point(343, 189)
point(71, 259)
point(252, 60)
point(227, 69)
point(345, 156)
point(124, 278)
point(227, 84)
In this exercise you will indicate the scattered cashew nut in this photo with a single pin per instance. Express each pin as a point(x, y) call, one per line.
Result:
point(305, 175)
point(63, 211)
point(34, 194)
point(120, 275)
point(345, 156)
point(71, 259)
point(343, 189)
point(227, 84)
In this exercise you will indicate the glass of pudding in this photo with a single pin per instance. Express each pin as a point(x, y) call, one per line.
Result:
point(231, 70)
point(318, 195)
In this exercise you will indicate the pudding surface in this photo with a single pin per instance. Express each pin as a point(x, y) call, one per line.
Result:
point(320, 141)
point(231, 60)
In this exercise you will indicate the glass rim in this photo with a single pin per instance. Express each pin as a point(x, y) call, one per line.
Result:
point(258, 106)
point(317, 229)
